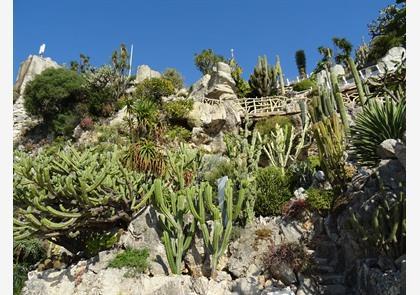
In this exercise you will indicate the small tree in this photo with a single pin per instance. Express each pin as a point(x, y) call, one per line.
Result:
point(301, 63)
point(53, 92)
point(206, 60)
point(175, 77)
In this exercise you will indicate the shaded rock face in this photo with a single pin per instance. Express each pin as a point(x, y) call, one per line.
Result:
point(199, 88)
point(145, 72)
point(28, 69)
point(144, 232)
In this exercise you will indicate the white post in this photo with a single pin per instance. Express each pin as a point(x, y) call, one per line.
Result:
point(361, 75)
point(344, 79)
point(131, 60)
point(288, 82)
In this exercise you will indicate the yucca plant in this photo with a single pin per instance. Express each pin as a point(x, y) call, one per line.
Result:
point(146, 113)
point(377, 122)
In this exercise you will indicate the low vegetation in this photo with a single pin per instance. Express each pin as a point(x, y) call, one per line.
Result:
point(135, 260)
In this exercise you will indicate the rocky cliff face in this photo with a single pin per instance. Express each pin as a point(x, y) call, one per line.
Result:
point(28, 69)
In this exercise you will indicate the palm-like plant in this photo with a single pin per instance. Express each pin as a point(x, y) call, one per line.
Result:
point(301, 63)
point(378, 121)
point(145, 157)
point(146, 113)
point(345, 55)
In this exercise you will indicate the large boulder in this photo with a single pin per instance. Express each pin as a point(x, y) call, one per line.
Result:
point(145, 72)
point(143, 232)
point(386, 150)
point(199, 88)
point(210, 117)
point(221, 85)
point(392, 59)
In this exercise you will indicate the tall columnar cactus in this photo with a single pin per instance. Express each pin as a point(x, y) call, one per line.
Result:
point(263, 80)
point(279, 73)
point(346, 48)
point(300, 59)
point(329, 135)
point(69, 195)
point(177, 230)
point(201, 204)
point(386, 231)
point(244, 151)
point(339, 100)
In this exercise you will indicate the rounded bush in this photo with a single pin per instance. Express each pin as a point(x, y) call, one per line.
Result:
point(265, 126)
point(272, 191)
point(154, 89)
point(52, 92)
point(304, 85)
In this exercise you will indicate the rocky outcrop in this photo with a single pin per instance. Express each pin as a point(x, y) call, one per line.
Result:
point(393, 58)
point(199, 88)
point(145, 72)
point(28, 69)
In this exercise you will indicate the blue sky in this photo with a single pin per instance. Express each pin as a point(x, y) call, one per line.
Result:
point(167, 33)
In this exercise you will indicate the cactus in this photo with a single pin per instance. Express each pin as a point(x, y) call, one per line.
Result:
point(244, 151)
point(386, 232)
point(329, 135)
point(69, 195)
point(177, 230)
point(223, 216)
point(280, 146)
point(263, 80)
point(279, 73)
point(300, 59)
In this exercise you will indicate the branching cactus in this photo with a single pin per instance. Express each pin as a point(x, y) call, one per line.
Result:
point(72, 194)
point(279, 73)
point(281, 147)
point(178, 230)
point(201, 205)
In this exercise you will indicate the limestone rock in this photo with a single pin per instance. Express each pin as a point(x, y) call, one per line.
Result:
point(210, 117)
point(400, 153)
point(393, 57)
point(221, 85)
point(145, 72)
point(386, 150)
point(119, 117)
point(199, 88)
point(338, 70)
point(143, 232)
point(211, 144)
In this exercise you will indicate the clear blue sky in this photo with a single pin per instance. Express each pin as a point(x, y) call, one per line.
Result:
point(167, 33)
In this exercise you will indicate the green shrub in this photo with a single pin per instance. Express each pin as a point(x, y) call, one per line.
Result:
point(273, 190)
point(20, 275)
point(224, 168)
point(65, 123)
point(134, 259)
point(154, 88)
point(175, 77)
point(178, 109)
point(304, 85)
point(100, 242)
point(53, 92)
point(265, 126)
point(146, 113)
point(206, 60)
point(377, 122)
point(178, 133)
point(320, 200)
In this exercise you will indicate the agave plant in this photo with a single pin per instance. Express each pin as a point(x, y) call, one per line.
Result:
point(377, 122)
point(144, 156)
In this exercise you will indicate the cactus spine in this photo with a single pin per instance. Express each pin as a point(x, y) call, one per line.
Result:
point(200, 207)
point(263, 80)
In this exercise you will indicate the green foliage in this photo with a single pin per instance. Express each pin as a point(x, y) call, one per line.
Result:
point(225, 168)
point(146, 115)
point(65, 123)
point(320, 200)
point(244, 151)
point(101, 241)
point(329, 135)
point(300, 59)
point(304, 85)
point(302, 172)
point(385, 232)
point(136, 260)
point(387, 31)
point(53, 92)
point(206, 60)
point(263, 80)
point(26, 253)
point(146, 157)
point(153, 89)
point(377, 122)
point(178, 133)
point(272, 187)
point(178, 109)
point(242, 86)
point(175, 77)
point(70, 195)
point(201, 204)
point(268, 125)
